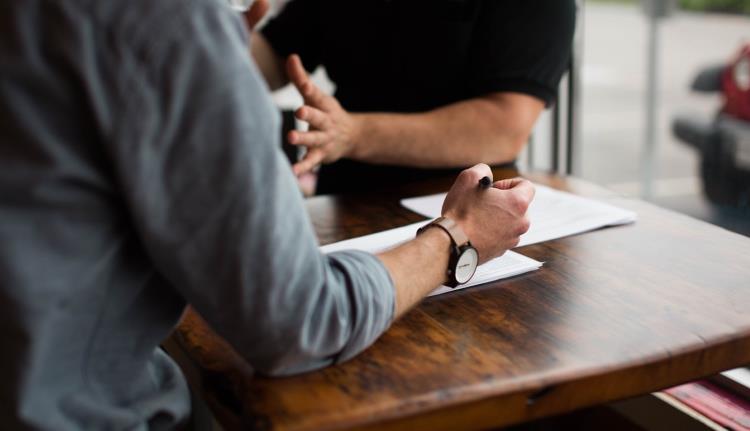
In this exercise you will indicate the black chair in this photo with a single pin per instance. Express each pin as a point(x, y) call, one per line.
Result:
point(565, 114)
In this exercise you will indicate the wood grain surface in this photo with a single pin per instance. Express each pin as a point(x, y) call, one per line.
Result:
point(613, 313)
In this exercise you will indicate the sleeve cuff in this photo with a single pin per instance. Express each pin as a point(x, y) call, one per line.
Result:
point(542, 92)
point(372, 299)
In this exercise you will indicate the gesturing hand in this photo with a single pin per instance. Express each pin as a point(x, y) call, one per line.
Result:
point(332, 130)
point(494, 218)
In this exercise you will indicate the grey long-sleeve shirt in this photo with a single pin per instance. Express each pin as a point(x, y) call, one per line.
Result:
point(140, 170)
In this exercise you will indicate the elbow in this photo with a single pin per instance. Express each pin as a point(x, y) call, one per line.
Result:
point(323, 322)
point(282, 351)
point(506, 146)
point(276, 367)
point(510, 120)
point(515, 142)
point(297, 334)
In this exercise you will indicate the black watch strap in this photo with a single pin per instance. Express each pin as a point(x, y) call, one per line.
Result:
point(459, 242)
point(452, 228)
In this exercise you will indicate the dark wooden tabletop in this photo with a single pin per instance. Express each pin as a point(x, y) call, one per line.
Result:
point(612, 313)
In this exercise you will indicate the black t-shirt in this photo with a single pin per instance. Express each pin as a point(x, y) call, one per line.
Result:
point(417, 55)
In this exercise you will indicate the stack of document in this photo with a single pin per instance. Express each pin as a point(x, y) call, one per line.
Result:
point(553, 214)
point(507, 265)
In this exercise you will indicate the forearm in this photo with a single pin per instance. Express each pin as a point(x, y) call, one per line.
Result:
point(270, 64)
point(417, 267)
point(490, 129)
point(335, 315)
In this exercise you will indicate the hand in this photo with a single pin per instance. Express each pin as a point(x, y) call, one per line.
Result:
point(255, 13)
point(493, 218)
point(332, 130)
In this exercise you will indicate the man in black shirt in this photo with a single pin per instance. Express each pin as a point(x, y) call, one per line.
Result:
point(423, 86)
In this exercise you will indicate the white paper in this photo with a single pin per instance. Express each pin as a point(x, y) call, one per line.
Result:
point(507, 265)
point(553, 214)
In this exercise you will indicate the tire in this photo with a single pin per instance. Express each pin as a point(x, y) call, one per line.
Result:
point(724, 185)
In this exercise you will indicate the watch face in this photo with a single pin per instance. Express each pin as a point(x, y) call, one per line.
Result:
point(466, 265)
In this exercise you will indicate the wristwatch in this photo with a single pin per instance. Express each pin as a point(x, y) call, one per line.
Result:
point(464, 258)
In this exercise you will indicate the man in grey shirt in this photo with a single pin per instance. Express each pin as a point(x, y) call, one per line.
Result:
point(140, 171)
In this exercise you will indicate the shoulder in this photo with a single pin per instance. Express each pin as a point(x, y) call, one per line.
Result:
point(541, 25)
point(156, 25)
point(157, 55)
point(533, 13)
point(559, 8)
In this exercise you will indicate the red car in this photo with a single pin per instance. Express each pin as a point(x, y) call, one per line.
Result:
point(724, 141)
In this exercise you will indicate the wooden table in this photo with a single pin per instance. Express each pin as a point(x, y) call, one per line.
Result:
point(611, 314)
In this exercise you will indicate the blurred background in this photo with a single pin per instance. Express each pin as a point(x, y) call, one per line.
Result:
point(695, 35)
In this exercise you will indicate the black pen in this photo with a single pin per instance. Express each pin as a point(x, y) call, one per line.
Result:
point(485, 183)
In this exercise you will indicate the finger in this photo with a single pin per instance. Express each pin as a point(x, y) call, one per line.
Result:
point(507, 183)
point(301, 80)
point(523, 225)
point(257, 11)
point(314, 96)
point(523, 187)
point(312, 159)
point(308, 139)
point(306, 182)
point(296, 72)
point(317, 118)
point(521, 195)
